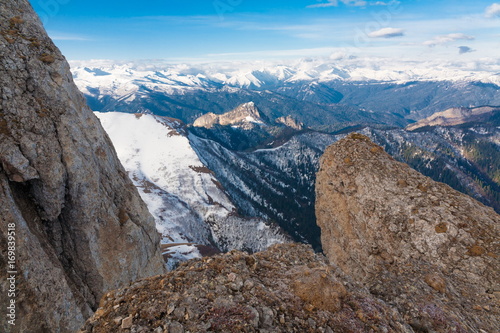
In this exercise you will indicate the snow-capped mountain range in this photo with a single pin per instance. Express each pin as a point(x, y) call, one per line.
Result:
point(323, 95)
point(124, 79)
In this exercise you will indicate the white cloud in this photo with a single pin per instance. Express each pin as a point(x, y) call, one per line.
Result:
point(330, 3)
point(493, 10)
point(353, 3)
point(311, 36)
point(387, 33)
point(445, 39)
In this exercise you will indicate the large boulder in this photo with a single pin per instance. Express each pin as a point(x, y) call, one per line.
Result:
point(427, 249)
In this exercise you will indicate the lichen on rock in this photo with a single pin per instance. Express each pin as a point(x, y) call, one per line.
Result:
point(418, 244)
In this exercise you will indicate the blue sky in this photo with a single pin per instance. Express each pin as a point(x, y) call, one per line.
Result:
point(207, 30)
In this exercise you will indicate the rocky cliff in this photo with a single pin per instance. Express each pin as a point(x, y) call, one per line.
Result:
point(290, 122)
point(419, 245)
point(72, 224)
point(244, 115)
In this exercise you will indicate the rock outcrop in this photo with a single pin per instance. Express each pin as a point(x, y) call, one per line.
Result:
point(428, 250)
point(457, 116)
point(68, 212)
point(287, 288)
point(289, 121)
point(244, 115)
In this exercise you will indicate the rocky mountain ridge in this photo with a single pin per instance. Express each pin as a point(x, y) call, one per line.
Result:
point(434, 268)
point(244, 115)
point(287, 288)
point(72, 224)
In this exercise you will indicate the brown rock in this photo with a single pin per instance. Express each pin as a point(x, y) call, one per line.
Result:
point(441, 228)
point(239, 115)
point(378, 223)
point(456, 116)
point(436, 282)
point(127, 322)
point(61, 199)
point(319, 288)
point(295, 291)
point(476, 251)
point(290, 122)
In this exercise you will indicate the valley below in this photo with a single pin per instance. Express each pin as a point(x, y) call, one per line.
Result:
point(259, 135)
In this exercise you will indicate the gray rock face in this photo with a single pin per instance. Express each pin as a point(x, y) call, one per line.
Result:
point(427, 249)
point(80, 226)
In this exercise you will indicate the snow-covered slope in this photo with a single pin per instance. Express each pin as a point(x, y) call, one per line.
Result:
point(184, 196)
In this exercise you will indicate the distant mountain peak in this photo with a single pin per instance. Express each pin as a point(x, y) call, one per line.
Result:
point(244, 115)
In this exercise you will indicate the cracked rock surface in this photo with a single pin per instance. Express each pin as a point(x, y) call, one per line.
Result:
point(287, 288)
point(81, 227)
point(417, 244)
